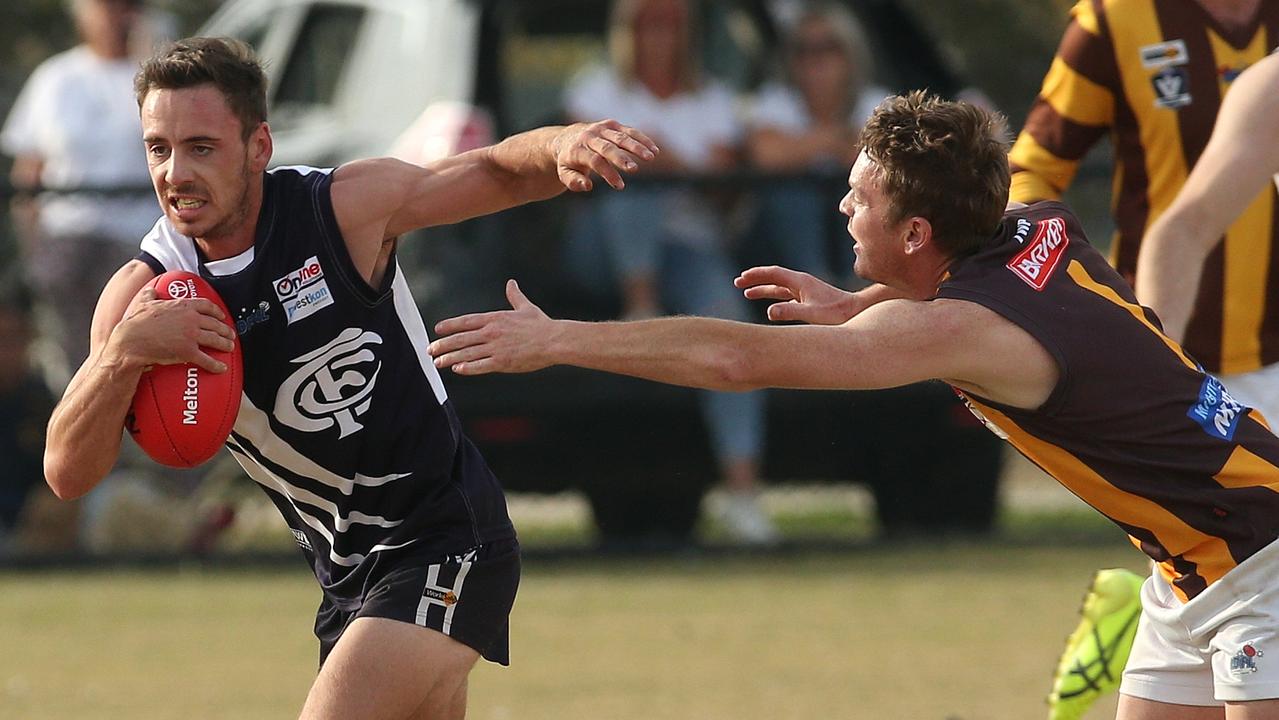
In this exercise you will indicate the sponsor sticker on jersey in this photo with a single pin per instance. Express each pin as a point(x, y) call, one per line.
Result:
point(1216, 412)
point(304, 291)
point(248, 318)
point(1164, 54)
point(1039, 258)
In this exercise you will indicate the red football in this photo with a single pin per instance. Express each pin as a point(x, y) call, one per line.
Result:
point(182, 414)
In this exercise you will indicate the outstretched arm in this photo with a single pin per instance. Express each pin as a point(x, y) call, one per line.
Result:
point(802, 297)
point(1238, 163)
point(377, 200)
point(893, 343)
point(396, 196)
point(132, 330)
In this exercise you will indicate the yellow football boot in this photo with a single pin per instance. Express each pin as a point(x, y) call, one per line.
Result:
point(1097, 650)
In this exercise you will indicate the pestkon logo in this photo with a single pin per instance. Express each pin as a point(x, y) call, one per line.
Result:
point(333, 386)
point(1037, 261)
point(303, 291)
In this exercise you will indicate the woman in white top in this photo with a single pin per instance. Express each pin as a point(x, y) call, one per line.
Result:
point(808, 126)
point(75, 125)
point(665, 245)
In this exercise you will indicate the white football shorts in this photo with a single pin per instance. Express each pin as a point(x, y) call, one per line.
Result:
point(1221, 646)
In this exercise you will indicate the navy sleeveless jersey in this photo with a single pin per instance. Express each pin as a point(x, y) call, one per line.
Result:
point(344, 421)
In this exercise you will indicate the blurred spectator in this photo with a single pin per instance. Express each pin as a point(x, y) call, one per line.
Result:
point(667, 246)
point(75, 125)
point(807, 125)
point(25, 405)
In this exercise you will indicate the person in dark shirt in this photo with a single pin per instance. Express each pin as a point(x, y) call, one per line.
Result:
point(25, 404)
point(1013, 308)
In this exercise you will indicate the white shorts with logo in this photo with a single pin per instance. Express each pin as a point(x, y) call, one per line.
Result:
point(1221, 646)
point(1257, 389)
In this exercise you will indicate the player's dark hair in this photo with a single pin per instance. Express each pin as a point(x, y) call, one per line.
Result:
point(226, 63)
point(943, 161)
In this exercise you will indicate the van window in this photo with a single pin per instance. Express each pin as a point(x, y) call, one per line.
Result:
point(319, 55)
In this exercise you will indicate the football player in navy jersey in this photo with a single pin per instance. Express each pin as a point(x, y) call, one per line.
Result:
point(343, 420)
point(1011, 306)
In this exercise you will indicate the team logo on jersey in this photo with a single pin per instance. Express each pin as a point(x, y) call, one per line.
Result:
point(1216, 412)
point(300, 538)
point(247, 318)
point(1172, 88)
point(333, 386)
point(1039, 258)
point(1245, 661)
point(1228, 73)
point(1164, 54)
point(1023, 230)
point(303, 291)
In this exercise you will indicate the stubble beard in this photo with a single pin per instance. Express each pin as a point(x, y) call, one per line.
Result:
point(238, 213)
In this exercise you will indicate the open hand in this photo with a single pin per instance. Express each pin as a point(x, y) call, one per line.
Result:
point(510, 341)
point(799, 296)
point(606, 148)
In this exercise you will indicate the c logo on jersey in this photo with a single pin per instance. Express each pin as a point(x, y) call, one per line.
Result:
point(333, 386)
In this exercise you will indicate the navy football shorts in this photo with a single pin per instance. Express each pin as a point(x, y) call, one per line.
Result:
point(467, 596)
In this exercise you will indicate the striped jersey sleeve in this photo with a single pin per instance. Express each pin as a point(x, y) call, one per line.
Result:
point(1074, 108)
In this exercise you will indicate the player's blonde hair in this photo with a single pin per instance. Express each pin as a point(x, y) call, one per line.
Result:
point(621, 41)
point(852, 40)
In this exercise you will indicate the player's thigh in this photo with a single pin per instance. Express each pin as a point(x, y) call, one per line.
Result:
point(1253, 710)
point(441, 708)
point(1135, 708)
point(390, 670)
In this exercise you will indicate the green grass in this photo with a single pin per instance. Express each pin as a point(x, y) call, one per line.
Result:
point(968, 631)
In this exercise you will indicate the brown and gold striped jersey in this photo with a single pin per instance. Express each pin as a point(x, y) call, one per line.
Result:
point(1134, 426)
point(1151, 74)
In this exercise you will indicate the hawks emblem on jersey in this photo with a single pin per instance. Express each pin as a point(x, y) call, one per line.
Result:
point(333, 385)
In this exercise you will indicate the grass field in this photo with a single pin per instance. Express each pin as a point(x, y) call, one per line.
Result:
point(971, 631)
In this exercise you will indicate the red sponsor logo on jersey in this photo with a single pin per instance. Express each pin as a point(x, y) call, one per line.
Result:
point(1037, 261)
